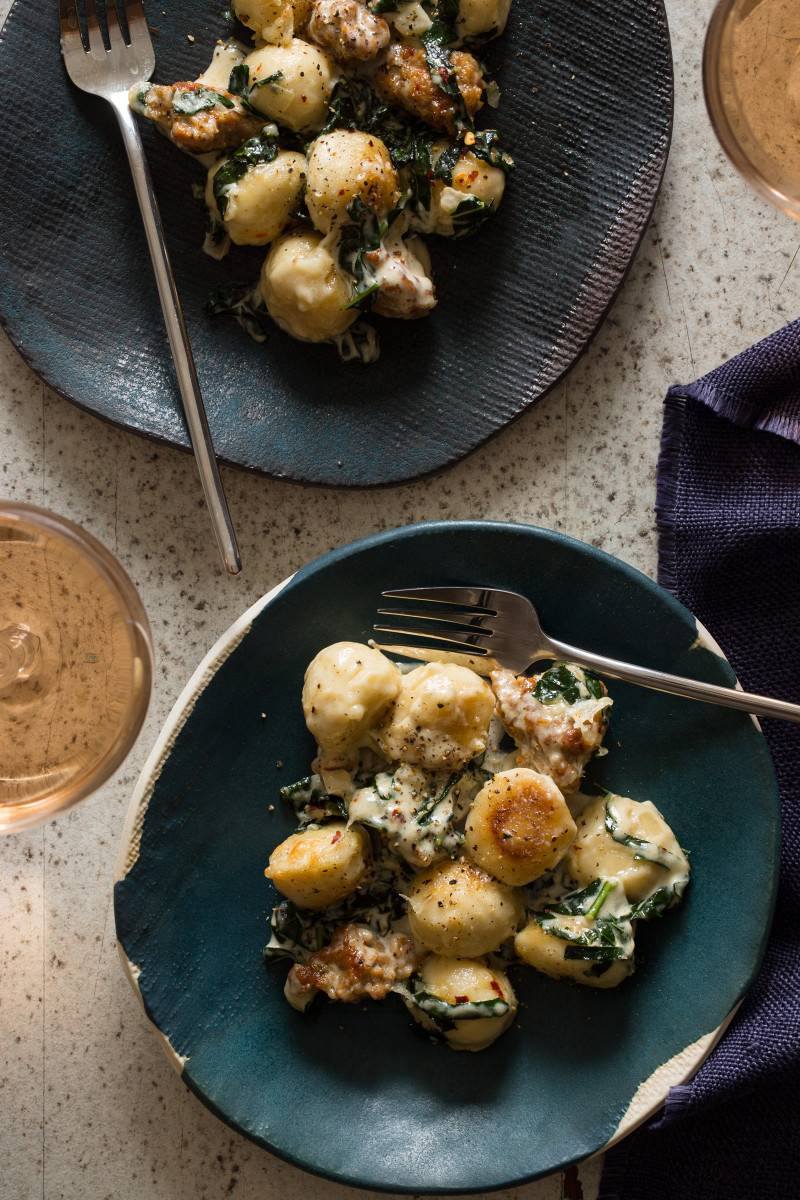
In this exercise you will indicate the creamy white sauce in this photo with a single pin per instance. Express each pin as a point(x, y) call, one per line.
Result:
point(367, 348)
point(226, 56)
point(397, 802)
point(673, 864)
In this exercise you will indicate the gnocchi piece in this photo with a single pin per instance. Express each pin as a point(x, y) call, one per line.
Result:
point(473, 176)
point(456, 909)
point(645, 855)
point(345, 164)
point(484, 19)
point(260, 204)
point(409, 19)
point(470, 177)
point(318, 867)
point(272, 21)
point(519, 826)
point(303, 290)
point(292, 84)
point(440, 719)
point(347, 690)
point(547, 953)
point(463, 985)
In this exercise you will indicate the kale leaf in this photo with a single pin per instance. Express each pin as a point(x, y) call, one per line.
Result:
point(362, 235)
point(487, 146)
point(197, 99)
point(263, 148)
point(559, 683)
point(246, 305)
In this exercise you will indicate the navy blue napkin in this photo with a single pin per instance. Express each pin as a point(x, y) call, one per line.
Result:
point(728, 514)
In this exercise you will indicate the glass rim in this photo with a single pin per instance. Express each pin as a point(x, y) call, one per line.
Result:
point(740, 145)
point(137, 627)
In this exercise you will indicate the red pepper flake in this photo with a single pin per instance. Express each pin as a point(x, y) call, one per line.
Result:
point(336, 837)
point(496, 988)
point(462, 1000)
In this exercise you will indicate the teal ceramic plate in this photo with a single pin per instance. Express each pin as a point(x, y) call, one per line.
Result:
point(355, 1096)
point(587, 112)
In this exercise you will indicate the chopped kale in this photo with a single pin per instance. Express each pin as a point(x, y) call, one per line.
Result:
point(444, 17)
point(311, 802)
point(655, 905)
point(606, 939)
point(239, 84)
point(469, 215)
point(424, 815)
point(444, 1014)
point(217, 241)
point(445, 75)
point(198, 99)
point(263, 148)
point(487, 146)
point(362, 235)
point(560, 683)
point(246, 305)
point(268, 81)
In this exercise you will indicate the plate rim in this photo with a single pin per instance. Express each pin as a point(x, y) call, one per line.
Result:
point(651, 1093)
point(583, 320)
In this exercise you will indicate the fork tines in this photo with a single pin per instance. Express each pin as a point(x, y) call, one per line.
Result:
point(467, 621)
point(465, 598)
point(102, 26)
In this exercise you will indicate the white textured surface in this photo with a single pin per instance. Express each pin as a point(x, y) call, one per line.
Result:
point(88, 1105)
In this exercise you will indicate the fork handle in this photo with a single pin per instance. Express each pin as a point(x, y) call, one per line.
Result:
point(191, 395)
point(711, 693)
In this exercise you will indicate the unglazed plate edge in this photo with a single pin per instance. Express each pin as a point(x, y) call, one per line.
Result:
point(130, 838)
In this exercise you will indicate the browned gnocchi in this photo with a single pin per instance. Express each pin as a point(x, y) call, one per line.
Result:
point(428, 863)
point(338, 142)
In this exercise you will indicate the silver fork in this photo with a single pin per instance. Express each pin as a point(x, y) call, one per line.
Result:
point(502, 628)
point(110, 73)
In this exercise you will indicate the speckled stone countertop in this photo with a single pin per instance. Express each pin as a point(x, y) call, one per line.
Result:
point(90, 1107)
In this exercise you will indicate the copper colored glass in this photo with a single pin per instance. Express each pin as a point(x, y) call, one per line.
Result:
point(76, 665)
point(751, 77)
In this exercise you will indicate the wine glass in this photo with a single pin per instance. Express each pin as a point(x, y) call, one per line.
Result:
point(751, 78)
point(76, 665)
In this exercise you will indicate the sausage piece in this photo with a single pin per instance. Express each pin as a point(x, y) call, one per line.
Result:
point(222, 125)
point(347, 30)
point(404, 80)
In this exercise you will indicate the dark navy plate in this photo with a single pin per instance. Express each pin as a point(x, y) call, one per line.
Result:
point(355, 1096)
point(586, 111)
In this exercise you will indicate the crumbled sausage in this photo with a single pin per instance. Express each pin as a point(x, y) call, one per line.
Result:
point(404, 79)
point(403, 292)
point(217, 128)
point(551, 739)
point(357, 963)
point(347, 30)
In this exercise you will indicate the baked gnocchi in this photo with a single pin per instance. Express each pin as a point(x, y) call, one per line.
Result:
point(430, 859)
point(337, 142)
point(519, 826)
